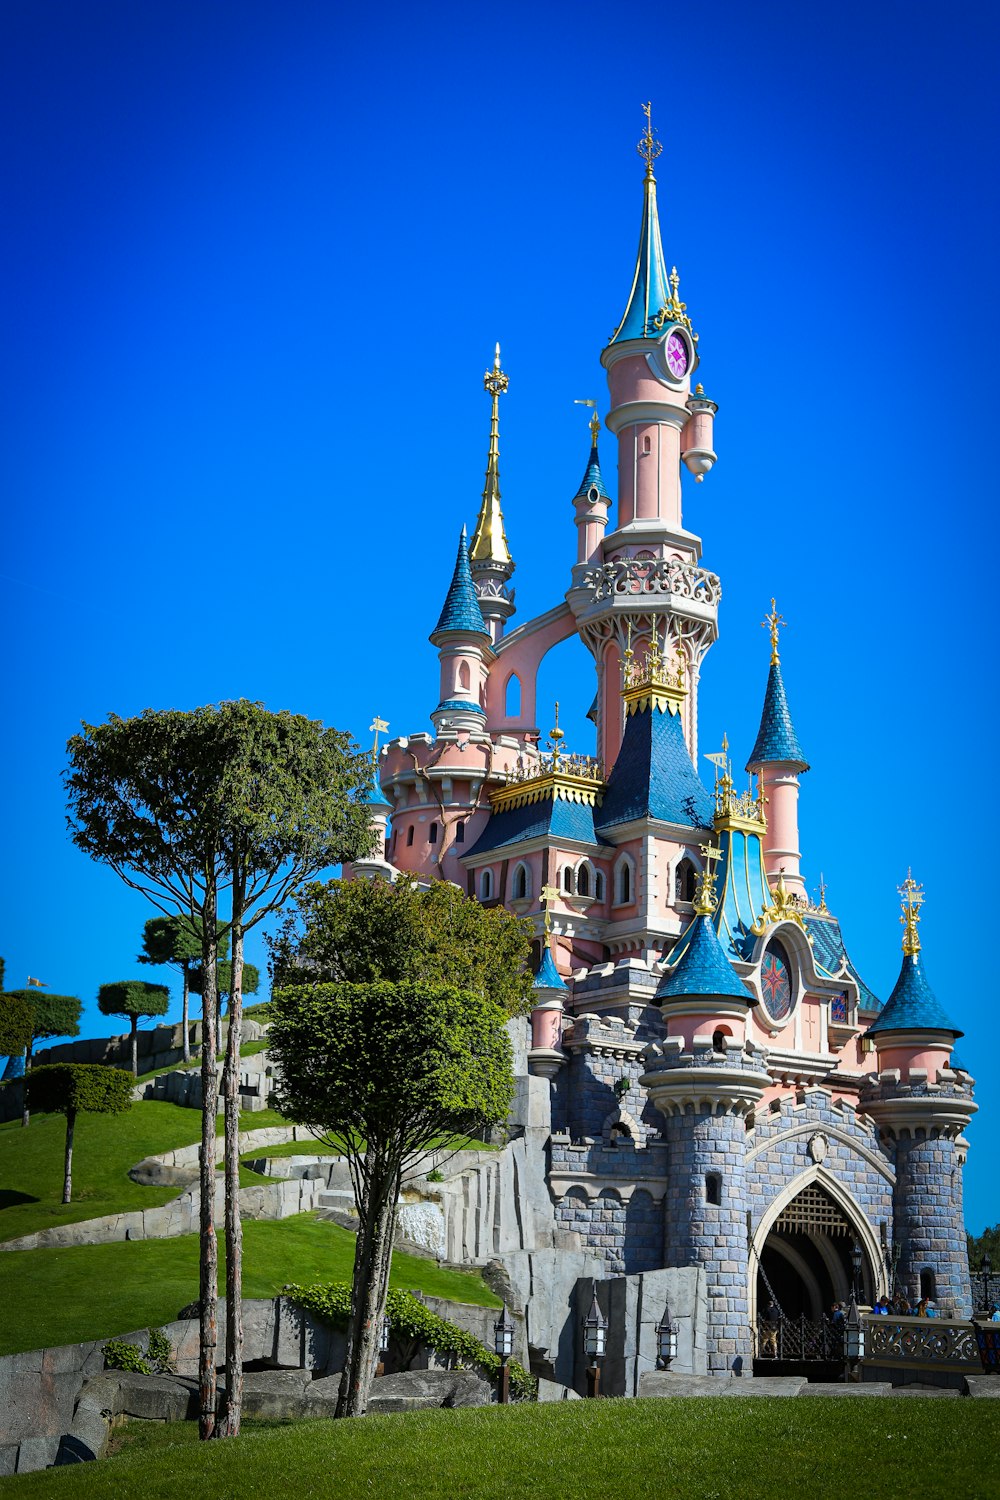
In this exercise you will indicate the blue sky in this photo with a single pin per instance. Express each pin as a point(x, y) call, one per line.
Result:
point(255, 262)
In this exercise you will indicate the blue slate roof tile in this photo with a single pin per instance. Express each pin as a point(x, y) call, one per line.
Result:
point(463, 703)
point(830, 952)
point(776, 737)
point(550, 817)
point(461, 607)
point(913, 1005)
point(592, 479)
point(653, 776)
point(703, 969)
point(548, 976)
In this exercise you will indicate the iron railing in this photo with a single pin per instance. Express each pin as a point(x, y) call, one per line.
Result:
point(799, 1339)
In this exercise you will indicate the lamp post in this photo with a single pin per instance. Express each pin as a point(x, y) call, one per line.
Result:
point(985, 1273)
point(383, 1345)
point(503, 1343)
point(854, 1339)
point(595, 1332)
point(666, 1339)
point(856, 1262)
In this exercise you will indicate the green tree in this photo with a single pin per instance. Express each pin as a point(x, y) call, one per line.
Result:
point(360, 930)
point(68, 1088)
point(183, 806)
point(17, 1021)
point(224, 984)
point(387, 1070)
point(175, 943)
point(52, 1016)
point(133, 999)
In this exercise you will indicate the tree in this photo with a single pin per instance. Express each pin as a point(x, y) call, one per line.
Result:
point(52, 1016)
point(360, 930)
point(224, 986)
point(133, 998)
point(17, 1022)
point(387, 1069)
point(175, 943)
point(67, 1088)
point(185, 807)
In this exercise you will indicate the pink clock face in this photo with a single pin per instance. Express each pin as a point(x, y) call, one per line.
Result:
point(676, 354)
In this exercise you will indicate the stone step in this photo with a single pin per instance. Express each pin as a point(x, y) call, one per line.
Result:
point(665, 1384)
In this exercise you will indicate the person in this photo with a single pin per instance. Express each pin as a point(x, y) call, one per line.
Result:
point(922, 1308)
point(769, 1331)
point(837, 1314)
point(931, 1309)
point(995, 1314)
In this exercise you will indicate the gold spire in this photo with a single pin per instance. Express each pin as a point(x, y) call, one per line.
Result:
point(550, 893)
point(913, 899)
point(556, 737)
point(822, 893)
point(489, 542)
point(705, 902)
point(774, 623)
point(733, 809)
point(649, 147)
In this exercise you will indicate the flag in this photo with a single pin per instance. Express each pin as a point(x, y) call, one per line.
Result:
point(718, 758)
point(40, 983)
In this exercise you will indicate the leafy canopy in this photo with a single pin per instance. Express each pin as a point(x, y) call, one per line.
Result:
point(17, 1021)
point(133, 997)
point(357, 931)
point(176, 941)
point(52, 1015)
point(391, 1065)
point(224, 978)
point(66, 1088)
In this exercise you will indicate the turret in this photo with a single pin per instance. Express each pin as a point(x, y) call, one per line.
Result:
point(778, 761)
point(549, 993)
point(489, 555)
point(463, 643)
point(921, 1104)
point(376, 866)
point(591, 502)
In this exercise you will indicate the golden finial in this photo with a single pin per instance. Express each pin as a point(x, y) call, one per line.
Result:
point(629, 653)
point(649, 147)
point(774, 623)
point(912, 896)
point(550, 893)
point(822, 893)
point(705, 903)
point(556, 736)
point(489, 543)
point(378, 726)
point(595, 429)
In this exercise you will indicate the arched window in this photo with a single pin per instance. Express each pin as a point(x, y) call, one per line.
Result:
point(486, 886)
point(928, 1284)
point(512, 697)
point(433, 834)
point(685, 881)
point(623, 883)
point(463, 675)
point(599, 885)
point(713, 1188)
point(460, 831)
point(646, 444)
point(409, 835)
point(583, 881)
point(520, 883)
point(568, 879)
point(718, 1041)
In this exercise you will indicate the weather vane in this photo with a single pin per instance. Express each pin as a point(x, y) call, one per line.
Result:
point(550, 893)
point(595, 421)
point(377, 726)
point(774, 623)
point(649, 148)
point(912, 896)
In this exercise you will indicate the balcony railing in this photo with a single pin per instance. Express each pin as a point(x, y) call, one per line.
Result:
point(651, 575)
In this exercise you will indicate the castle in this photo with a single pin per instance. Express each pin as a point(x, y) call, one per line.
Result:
point(708, 1087)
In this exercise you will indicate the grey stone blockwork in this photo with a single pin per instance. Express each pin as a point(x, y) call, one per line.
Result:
point(930, 1225)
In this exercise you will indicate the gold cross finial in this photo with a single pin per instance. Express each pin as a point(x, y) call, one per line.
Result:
point(822, 892)
point(912, 896)
point(377, 726)
point(649, 147)
point(774, 623)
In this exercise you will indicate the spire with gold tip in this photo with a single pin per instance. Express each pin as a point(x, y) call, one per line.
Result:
point(913, 1005)
point(776, 738)
point(489, 554)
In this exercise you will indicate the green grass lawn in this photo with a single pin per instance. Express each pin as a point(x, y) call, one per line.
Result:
point(31, 1163)
point(710, 1449)
point(93, 1291)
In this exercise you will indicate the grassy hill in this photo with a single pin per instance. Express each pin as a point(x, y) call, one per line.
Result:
point(712, 1449)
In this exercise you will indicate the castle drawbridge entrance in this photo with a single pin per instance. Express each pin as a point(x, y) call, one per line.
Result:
point(805, 1268)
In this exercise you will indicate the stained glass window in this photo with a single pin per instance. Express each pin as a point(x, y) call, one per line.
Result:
point(776, 983)
point(838, 1008)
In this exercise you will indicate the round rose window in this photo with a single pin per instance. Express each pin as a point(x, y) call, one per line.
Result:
point(776, 983)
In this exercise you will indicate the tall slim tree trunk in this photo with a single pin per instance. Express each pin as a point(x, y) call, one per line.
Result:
point(68, 1173)
point(135, 1046)
point(26, 1112)
point(186, 992)
point(366, 1299)
point(234, 1226)
point(209, 1249)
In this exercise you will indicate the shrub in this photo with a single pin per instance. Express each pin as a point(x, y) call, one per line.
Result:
point(331, 1303)
point(119, 1354)
point(160, 1352)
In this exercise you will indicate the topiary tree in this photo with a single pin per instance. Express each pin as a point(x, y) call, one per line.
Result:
point(133, 998)
point(387, 1069)
point(52, 1016)
point(175, 943)
point(67, 1088)
point(17, 1021)
point(224, 985)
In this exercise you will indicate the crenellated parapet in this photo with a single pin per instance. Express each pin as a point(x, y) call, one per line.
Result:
point(919, 1104)
point(680, 1079)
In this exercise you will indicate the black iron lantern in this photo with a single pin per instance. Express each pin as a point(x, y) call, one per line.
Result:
point(854, 1334)
point(383, 1343)
point(503, 1343)
point(666, 1339)
point(985, 1273)
point(856, 1263)
point(595, 1331)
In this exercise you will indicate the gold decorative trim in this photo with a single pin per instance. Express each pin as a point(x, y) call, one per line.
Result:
point(555, 784)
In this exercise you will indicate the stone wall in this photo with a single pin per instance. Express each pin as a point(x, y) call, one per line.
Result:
point(929, 1221)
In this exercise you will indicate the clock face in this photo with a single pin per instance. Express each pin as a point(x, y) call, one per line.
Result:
point(675, 354)
point(776, 983)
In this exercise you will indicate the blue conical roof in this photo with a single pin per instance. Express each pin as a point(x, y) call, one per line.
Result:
point(548, 976)
point(776, 737)
point(653, 776)
point(913, 1005)
point(592, 479)
point(703, 969)
point(376, 797)
point(650, 286)
point(461, 607)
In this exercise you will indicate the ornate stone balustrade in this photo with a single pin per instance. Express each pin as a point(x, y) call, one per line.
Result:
point(917, 1342)
point(642, 575)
